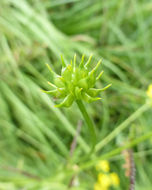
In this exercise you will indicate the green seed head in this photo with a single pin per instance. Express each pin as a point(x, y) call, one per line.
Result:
point(75, 83)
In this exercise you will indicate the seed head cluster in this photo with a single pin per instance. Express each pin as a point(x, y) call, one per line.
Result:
point(76, 82)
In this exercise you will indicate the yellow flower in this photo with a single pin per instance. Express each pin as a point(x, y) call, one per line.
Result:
point(98, 186)
point(114, 179)
point(104, 180)
point(149, 91)
point(103, 165)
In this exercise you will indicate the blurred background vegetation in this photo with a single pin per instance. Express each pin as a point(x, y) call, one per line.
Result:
point(35, 137)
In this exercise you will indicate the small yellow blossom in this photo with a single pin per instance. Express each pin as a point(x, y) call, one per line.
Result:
point(103, 165)
point(149, 91)
point(98, 186)
point(104, 180)
point(114, 179)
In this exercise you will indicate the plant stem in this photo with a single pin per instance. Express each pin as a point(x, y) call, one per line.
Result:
point(114, 152)
point(122, 126)
point(89, 123)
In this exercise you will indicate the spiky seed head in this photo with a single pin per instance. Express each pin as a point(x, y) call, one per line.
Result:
point(76, 82)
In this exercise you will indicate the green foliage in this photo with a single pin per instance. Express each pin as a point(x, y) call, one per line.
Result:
point(35, 137)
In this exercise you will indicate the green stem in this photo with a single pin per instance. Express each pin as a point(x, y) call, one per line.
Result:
point(122, 126)
point(116, 151)
point(89, 123)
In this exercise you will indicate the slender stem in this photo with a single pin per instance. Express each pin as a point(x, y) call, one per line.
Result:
point(74, 142)
point(122, 126)
point(89, 123)
point(116, 151)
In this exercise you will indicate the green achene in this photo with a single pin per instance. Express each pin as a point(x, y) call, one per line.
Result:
point(76, 82)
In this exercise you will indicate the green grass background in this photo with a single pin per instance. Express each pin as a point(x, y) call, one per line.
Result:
point(34, 136)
